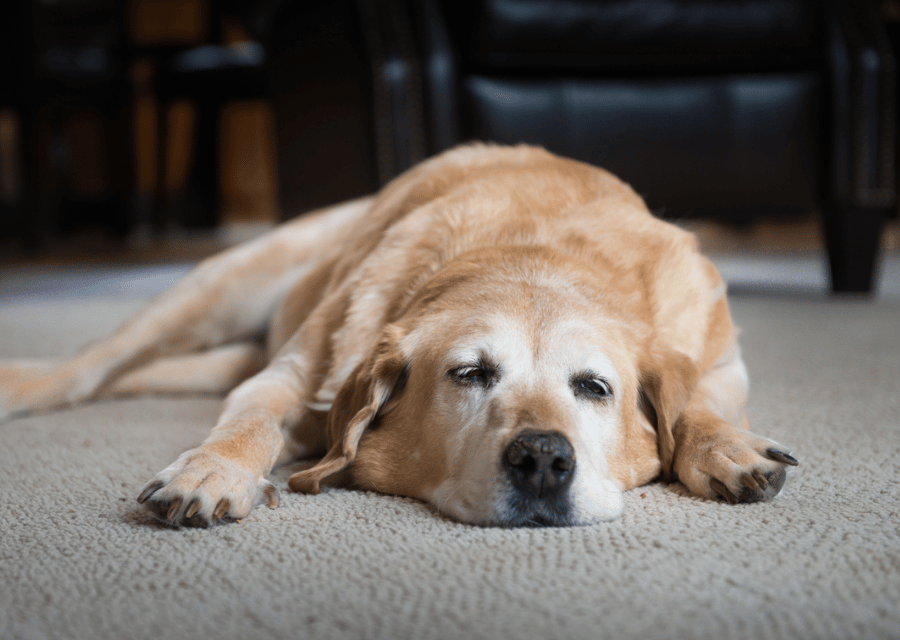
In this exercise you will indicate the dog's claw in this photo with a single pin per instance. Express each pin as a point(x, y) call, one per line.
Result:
point(274, 499)
point(192, 508)
point(761, 481)
point(781, 456)
point(756, 486)
point(149, 490)
point(174, 508)
point(749, 481)
point(222, 508)
point(723, 491)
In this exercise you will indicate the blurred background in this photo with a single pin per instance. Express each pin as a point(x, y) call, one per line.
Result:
point(139, 133)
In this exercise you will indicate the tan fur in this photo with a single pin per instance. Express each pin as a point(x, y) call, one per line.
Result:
point(550, 269)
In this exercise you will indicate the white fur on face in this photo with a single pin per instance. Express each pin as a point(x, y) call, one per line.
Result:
point(536, 361)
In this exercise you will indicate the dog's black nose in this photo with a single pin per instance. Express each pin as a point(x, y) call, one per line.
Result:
point(540, 464)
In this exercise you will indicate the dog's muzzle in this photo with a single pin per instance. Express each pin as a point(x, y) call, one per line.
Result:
point(540, 466)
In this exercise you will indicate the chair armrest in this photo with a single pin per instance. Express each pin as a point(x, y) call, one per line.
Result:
point(863, 118)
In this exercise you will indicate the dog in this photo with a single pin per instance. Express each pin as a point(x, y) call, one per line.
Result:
point(504, 334)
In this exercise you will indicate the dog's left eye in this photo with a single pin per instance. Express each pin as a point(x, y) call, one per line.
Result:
point(472, 376)
point(592, 387)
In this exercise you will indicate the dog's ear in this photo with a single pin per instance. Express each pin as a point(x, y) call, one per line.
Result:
point(668, 379)
point(369, 391)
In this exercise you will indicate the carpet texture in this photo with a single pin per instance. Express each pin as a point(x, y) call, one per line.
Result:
point(79, 559)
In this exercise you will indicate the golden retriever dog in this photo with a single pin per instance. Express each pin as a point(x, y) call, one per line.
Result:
point(506, 335)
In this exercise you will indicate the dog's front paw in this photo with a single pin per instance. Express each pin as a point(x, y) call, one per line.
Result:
point(735, 467)
point(201, 489)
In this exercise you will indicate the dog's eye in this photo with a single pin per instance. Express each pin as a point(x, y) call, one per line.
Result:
point(475, 376)
point(592, 387)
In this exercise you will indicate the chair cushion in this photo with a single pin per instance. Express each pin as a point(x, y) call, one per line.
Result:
point(650, 35)
point(725, 145)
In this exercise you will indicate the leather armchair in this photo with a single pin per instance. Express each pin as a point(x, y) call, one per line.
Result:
point(725, 108)
point(708, 107)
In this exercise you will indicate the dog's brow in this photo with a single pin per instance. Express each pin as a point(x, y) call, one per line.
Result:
point(479, 359)
point(587, 373)
point(474, 355)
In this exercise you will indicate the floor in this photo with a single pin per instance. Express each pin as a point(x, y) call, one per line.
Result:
point(786, 259)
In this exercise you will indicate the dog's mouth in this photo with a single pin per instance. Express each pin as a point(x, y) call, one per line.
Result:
point(520, 510)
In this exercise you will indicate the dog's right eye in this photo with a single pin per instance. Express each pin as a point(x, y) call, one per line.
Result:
point(593, 387)
point(472, 376)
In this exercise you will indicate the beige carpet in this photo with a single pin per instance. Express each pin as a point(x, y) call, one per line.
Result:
point(78, 558)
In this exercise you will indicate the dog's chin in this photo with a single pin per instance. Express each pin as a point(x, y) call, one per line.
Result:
point(584, 504)
point(515, 510)
point(574, 508)
point(518, 510)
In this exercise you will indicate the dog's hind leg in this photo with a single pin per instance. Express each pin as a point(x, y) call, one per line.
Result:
point(217, 370)
point(227, 298)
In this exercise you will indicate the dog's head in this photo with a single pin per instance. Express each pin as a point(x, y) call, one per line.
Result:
point(514, 390)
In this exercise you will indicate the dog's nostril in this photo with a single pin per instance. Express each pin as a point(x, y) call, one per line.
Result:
point(539, 463)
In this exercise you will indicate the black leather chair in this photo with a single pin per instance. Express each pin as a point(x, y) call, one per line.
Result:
point(724, 108)
point(719, 108)
point(60, 59)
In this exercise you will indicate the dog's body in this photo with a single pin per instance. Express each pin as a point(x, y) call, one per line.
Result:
point(507, 335)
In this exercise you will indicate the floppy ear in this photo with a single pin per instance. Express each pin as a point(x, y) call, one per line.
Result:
point(668, 379)
point(364, 395)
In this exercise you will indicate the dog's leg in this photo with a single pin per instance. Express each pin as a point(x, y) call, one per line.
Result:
point(715, 455)
point(227, 298)
point(225, 477)
point(218, 370)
